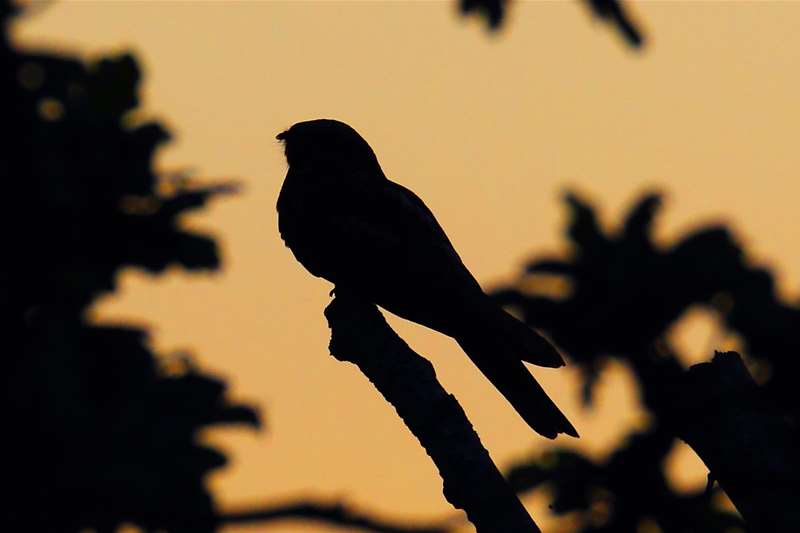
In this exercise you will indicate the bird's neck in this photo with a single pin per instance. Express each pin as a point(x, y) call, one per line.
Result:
point(332, 188)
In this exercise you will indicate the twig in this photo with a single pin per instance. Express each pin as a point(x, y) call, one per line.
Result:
point(614, 12)
point(471, 481)
point(331, 514)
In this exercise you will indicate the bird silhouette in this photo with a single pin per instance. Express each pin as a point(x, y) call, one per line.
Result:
point(345, 221)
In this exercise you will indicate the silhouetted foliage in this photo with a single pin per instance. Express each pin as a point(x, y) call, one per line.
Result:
point(100, 431)
point(336, 514)
point(491, 10)
point(612, 12)
point(619, 293)
point(624, 491)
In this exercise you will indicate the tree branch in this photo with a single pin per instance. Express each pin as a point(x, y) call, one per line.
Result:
point(716, 407)
point(331, 514)
point(471, 481)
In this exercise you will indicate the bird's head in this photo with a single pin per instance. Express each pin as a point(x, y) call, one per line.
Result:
point(327, 145)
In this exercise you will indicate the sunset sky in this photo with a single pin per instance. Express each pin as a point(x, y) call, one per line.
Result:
point(489, 130)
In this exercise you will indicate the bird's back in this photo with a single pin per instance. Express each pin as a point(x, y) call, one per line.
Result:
point(379, 239)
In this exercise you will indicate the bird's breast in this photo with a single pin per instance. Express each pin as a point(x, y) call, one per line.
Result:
point(303, 214)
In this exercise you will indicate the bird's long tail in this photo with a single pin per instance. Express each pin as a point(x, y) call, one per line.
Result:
point(498, 346)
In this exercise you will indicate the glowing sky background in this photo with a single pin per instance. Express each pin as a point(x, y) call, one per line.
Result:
point(489, 131)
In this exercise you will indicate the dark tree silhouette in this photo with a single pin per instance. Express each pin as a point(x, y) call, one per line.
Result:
point(492, 10)
point(101, 431)
point(623, 293)
point(612, 12)
point(623, 492)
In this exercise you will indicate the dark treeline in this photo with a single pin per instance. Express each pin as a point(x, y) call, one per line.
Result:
point(102, 431)
point(99, 430)
point(620, 293)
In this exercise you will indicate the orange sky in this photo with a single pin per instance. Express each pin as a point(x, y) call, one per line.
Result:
point(489, 131)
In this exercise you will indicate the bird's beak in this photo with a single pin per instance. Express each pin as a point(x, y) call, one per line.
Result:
point(282, 135)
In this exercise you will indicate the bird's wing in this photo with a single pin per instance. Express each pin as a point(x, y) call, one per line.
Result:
point(425, 225)
point(388, 244)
